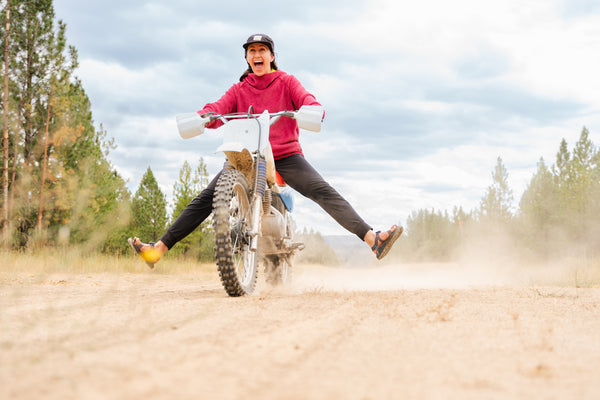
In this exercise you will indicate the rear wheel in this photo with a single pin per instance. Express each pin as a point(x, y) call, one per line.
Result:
point(278, 269)
point(236, 263)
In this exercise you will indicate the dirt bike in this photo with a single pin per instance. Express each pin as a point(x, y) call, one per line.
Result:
point(251, 203)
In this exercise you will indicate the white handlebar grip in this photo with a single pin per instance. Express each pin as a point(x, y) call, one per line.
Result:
point(190, 125)
point(309, 118)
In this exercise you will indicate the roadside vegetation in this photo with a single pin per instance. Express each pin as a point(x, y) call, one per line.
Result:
point(557, 217)
point(58, 187)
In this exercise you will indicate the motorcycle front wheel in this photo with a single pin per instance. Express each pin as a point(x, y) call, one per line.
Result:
point(237, 264)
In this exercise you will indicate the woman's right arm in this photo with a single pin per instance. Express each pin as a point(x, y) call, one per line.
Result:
point(225, 105)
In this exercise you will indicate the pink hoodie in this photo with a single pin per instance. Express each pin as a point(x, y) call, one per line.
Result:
point(276, 91)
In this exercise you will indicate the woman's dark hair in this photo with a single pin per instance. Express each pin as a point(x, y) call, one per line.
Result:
point(249, 70)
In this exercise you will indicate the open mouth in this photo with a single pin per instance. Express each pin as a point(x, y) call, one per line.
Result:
point(259, 66)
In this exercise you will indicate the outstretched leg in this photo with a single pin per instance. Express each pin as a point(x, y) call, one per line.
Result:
point(190, 218)
point(303, 178)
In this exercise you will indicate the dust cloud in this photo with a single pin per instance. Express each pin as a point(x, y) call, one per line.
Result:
point(486, 262)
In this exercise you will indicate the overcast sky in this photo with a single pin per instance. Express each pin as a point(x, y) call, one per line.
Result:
point(421, 97)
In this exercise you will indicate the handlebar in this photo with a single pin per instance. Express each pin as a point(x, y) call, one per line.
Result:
point(308, 117)
point(192, 124)
point(227, 117)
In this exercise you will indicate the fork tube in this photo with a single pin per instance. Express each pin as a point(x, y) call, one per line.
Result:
point(260, 184)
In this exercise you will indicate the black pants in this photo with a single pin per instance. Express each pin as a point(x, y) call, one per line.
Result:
point(300, 176)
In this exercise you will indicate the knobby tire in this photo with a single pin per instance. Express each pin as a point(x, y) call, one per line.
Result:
point(237, 265)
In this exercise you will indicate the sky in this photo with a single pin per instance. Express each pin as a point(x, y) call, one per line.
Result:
point(421, 98)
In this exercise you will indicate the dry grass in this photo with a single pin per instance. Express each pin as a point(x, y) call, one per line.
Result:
point(577, 272)
point(53, 261)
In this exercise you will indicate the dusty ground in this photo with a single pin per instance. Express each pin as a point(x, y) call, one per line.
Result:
point(384, 333)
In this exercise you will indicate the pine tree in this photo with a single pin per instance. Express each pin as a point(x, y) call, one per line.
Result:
point(539, 209)
point(61, 178)
point(561, 168)
point(31, 38)
point(582, 167)
point(200, 243)
point(560, 206)
point(495, 207)
point(538, 200)
point(149, 209)
point(58, 102)
point(432, 235)
point(5, 142)
point(32, 35)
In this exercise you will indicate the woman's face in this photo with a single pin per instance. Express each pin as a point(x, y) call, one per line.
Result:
point(260, 58)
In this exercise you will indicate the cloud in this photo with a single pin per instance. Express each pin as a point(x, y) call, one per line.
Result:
point(578, 8)
point(420, 97)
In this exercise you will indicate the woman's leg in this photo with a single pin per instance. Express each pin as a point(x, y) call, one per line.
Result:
point(303, 178)
point(189, 219)
point(192, 216)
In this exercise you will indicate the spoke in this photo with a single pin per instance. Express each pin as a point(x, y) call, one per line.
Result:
point(243, 257)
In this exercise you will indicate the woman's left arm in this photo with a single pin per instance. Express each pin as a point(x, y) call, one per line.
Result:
point(299, 95)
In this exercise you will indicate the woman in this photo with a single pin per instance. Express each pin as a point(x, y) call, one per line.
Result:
point(264, 87)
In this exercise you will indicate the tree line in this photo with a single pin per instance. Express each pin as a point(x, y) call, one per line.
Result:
point(57, 182)
point(557, 215)
point(150, 216)
point(58, 186)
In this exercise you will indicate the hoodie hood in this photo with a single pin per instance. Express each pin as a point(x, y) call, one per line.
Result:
point(264, 81)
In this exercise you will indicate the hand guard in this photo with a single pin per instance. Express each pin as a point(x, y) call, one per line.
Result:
point(191, 124)
point(310, 117)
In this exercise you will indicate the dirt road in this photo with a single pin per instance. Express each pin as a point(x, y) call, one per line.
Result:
point(353, 334)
